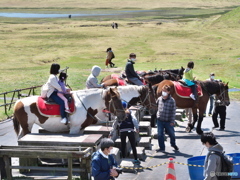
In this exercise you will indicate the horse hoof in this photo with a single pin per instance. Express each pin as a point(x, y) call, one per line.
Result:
point(188, 129)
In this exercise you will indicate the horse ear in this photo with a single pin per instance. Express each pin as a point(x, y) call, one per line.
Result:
point(112, 92)
point(226, 84)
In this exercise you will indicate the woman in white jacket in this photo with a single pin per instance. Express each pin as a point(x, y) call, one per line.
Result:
point(54, 88)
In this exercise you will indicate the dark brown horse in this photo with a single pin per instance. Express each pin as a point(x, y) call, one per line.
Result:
point(208, 88)
point(159, 77)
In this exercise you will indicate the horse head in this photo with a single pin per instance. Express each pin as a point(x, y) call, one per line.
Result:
point(180, 73)
point(147, 98)
point(223, 93)
point(114, 104)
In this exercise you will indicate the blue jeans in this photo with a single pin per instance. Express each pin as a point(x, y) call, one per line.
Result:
point(136, 81)
point(59, 101)
point(211, 99)
point(161, 125)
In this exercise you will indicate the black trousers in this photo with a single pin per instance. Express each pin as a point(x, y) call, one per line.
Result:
point(131, 137)
point(221, 110)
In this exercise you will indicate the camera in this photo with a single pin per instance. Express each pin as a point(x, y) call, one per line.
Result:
point(119, 170)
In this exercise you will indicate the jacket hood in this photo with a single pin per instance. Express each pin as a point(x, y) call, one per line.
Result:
point(216, 147)
point(96, 71)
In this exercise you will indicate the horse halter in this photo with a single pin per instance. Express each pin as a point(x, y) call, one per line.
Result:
point(115, 110)
point(222, 95)
point(147, 97)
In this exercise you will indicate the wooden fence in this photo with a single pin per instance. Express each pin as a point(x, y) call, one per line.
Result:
point(60, 152)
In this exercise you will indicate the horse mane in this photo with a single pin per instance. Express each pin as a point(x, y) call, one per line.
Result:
point(156, 77)
point(211, 85)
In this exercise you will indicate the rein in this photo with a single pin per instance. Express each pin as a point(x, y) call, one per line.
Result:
point(86, 109)
point(147, 97)
point(115, 110)
point(222, 94)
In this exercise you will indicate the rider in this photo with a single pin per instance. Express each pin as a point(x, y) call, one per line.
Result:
point(129, 70)
point(53, 88)
point(62, 79)
point(92, 81)
point(189, 79)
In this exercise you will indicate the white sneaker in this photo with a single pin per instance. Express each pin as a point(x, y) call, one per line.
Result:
point(64, 120)
point(192, 96)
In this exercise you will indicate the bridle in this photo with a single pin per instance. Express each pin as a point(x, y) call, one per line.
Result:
point(222, 94)
point(147, 98)
point(111, 103)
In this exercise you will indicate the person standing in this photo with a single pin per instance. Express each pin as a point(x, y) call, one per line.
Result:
point(166, 118)
point(219, 109)
point(126, 129)
point(110, 56)
point(211, 98)
point(130, 72)
point(92, 81)
point(212, 163)
point(116, 25)
point(103, 163)
point(113, 25)
point(54, 88)
point(189, 79)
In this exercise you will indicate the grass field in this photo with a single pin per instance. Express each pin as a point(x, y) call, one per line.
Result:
point(164, 40)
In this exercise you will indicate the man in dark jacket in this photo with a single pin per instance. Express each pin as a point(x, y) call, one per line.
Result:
point(103, 163)
point(130, 72)
point(219, 108)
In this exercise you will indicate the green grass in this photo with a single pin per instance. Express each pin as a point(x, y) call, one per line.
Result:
point(30, 46)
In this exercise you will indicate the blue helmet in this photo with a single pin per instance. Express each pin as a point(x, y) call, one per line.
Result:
point(124, 104)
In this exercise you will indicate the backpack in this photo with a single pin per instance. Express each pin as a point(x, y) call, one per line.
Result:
point(226, 163)
point(113, 56)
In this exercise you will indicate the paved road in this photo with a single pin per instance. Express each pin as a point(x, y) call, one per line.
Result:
point(189, 145)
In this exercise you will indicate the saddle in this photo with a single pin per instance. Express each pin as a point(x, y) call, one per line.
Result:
point(121, 81)
point(47, 107)
point(184, 91)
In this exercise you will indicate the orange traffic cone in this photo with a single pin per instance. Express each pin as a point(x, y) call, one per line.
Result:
point(171, 175)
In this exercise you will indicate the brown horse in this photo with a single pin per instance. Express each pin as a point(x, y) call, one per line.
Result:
point(208, 88)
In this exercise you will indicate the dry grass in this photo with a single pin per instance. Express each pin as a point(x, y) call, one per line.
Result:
point(30, 46)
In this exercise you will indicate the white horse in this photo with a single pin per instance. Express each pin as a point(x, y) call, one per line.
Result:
point(88, 103)
point(143, 94)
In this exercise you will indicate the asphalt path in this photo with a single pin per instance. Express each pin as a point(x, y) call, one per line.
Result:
point(189, 145)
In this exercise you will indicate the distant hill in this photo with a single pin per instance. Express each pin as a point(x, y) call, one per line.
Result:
point(230, 19)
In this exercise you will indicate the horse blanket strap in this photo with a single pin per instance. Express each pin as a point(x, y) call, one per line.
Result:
point(185, 91)
point(121, 82)
point(52, 109)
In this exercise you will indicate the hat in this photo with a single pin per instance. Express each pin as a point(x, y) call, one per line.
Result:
point(212, 74)
point(124, 104)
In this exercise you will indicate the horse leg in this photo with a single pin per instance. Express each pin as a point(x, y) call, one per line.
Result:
point(195, 118)
point(199, 130)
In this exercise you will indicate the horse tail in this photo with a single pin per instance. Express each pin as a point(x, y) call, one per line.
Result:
point(16, 124)
point(18, 105)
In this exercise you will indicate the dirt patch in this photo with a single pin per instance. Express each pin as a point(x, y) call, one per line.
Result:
point(114, 70)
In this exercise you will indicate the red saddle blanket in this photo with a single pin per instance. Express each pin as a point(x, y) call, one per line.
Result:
point(185, 91)
point(50, 109)
point(121, 82)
